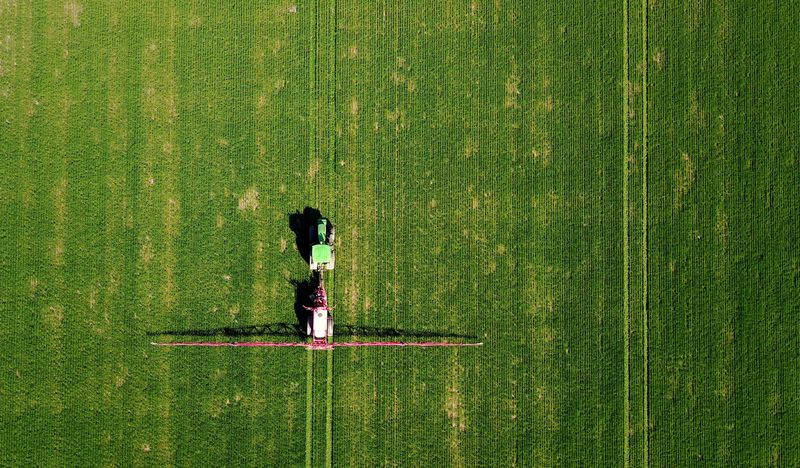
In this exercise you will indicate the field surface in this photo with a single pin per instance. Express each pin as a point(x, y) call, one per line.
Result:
point(604, 193)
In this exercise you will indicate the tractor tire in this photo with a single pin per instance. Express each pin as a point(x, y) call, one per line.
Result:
point(330, 327)
point(308, 327)
point(331, 235)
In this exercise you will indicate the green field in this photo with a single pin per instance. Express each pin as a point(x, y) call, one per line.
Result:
point(604, 193)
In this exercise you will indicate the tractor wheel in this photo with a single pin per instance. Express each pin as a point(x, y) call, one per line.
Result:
point(330, 327)
point(311, 236)
point(308, 327)
point(331, 235)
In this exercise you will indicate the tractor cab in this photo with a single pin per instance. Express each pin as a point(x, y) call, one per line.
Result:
point(323, 251)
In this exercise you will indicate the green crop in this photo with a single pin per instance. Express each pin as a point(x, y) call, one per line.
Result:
point(604, 193)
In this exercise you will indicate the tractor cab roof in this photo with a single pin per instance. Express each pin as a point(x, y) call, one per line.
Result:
point(322, 230)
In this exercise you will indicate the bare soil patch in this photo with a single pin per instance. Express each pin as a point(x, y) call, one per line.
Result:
point(249, 200)
point(73, 11)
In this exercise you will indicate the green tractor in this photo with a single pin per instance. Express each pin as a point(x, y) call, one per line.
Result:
point(323, 251)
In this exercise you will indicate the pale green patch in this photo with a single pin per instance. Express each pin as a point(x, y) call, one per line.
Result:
point(59, 227)
point(684, 180)
point(511, 100)
point(454, 408)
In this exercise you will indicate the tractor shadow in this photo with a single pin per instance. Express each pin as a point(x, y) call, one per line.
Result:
point(298, 330)
point(267, 329)
point(384, 332)
point(302, 297)
point(301, 224)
